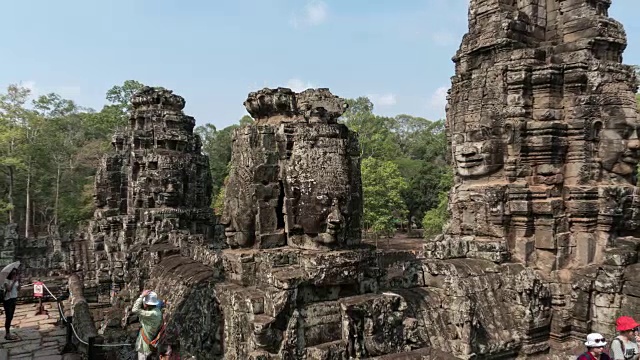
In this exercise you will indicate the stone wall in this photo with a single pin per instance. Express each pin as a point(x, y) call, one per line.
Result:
point(43, 258)
point(192, 310)
point(82, 319)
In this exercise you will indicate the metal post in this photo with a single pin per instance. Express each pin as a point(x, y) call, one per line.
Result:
point(91, 349)
point(69, 346)
point(41, 310)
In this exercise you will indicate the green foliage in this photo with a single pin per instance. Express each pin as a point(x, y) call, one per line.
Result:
point(375, 133)
point(116, 113)
point(218, 200)
point(416, 145)
point(49, 152)
point(435, 219)
point(120, 95)
point(382, 186)
point(245, 120)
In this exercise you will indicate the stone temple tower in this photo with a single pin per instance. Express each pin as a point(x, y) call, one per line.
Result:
point(153, 193)
point(543, 128)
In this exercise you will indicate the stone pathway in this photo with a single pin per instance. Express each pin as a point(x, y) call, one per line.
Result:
point(41, 338)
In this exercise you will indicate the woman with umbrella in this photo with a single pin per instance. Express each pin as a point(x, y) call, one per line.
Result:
point(11, 286)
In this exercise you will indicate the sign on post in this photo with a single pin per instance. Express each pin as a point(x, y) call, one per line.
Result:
point(38, 289)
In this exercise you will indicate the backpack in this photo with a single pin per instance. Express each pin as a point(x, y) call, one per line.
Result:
point(610, 350)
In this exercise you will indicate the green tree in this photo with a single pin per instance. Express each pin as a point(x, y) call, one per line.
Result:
point(13, 116)
point(120, 95)
point(375, 133)
point(218, 200)
point(116, 113)
point(64, 136)
point(424, 146)
point(435, 219)
point(382, 186)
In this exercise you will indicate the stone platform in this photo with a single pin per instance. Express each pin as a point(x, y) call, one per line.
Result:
point(42, 337)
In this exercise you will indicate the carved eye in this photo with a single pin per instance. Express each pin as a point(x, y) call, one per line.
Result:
point(457, 138)
point(480, 135)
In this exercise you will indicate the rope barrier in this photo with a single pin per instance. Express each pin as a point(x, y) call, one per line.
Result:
point(73, 328)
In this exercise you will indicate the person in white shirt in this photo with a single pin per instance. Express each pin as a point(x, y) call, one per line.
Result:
point(11, 286)
point(147, 307)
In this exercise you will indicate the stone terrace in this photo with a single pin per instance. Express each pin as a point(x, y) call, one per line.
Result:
point(42, 337)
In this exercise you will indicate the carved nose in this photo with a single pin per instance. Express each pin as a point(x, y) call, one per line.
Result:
point(634, 144)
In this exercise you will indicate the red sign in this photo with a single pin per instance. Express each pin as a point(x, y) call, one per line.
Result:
point(38, 289)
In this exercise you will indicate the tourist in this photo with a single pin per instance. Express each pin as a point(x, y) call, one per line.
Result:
point(151, 323)
point(624, 346)
point(595, 348)
point(168, 351)
point(11, 286)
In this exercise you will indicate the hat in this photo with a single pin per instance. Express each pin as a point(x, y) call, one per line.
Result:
point(626, 323)
point(151, 299)
point(595, 340)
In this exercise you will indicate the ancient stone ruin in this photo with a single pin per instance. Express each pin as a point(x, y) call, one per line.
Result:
point(295, 178)
point(540, 250)
point(153, 195)
point(543, 128)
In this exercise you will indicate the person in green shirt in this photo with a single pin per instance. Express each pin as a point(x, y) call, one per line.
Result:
point(151, 322)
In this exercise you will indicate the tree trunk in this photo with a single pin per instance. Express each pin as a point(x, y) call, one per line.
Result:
point(55, 206)
point(11, 176)
point(28, 204)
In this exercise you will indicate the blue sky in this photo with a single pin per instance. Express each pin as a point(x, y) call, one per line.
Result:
point(213, 53)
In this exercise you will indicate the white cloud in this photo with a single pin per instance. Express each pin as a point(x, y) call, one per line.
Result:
point(298, 85)
point(438, 100)
point(382, 100)
point(315, 13)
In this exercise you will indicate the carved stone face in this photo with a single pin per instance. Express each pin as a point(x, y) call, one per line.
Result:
point(618, 143)
point(323, 218)
point(478, 152)
point(319, 189)
point(238, 219)
point(335, 220)
point(295, 177)
point(170, 195)
point(239, 212)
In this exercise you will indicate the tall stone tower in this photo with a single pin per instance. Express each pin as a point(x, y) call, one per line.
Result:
point(153, 193)
point(295, 176)
point(544, 137)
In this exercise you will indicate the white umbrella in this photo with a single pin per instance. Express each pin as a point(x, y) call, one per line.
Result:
point(7, 269)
